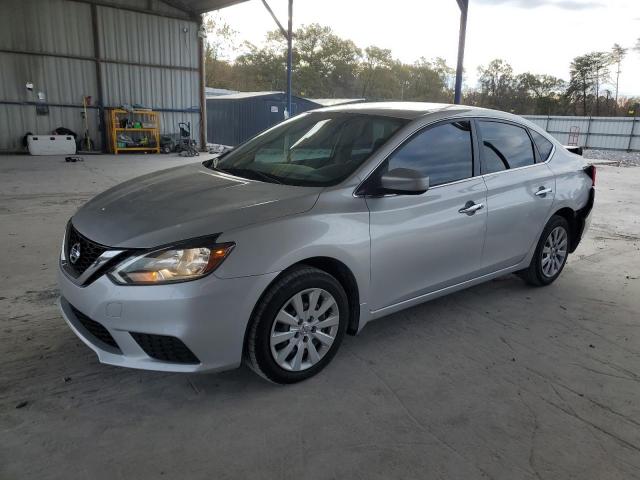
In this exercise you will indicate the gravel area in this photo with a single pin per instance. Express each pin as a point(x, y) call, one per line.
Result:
point(614, 157)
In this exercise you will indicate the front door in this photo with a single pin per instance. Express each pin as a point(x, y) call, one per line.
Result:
point(422, 243)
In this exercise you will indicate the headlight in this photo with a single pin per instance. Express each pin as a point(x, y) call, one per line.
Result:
point(170, 265)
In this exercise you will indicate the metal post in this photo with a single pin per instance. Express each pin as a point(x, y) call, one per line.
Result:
point(586, 140)
point(631, 135)
point(289, 56)
point(97, 52)
point(464, 7)
point(202, 85)
point(288, 35)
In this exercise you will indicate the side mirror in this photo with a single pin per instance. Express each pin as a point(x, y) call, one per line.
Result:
point(404, 181)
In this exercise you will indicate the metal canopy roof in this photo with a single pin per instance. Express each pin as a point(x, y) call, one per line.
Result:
point(201, 6)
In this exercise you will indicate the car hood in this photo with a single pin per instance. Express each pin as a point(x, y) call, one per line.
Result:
point(182, 203)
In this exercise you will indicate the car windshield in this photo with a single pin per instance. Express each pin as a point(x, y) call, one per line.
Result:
point(313, 149)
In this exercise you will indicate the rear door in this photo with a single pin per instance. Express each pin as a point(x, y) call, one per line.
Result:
point(421, 243)
point(520, 192)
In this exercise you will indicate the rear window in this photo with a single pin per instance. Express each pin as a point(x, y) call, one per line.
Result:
point(544, 146)
point(504, 146)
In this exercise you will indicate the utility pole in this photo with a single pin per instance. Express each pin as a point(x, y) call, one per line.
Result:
point(464, 7)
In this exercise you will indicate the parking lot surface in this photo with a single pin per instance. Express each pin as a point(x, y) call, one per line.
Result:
point(500, 381)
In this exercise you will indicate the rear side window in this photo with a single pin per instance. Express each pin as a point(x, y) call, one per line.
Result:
point(443, 153)
point(504, 146)
point(544, 145)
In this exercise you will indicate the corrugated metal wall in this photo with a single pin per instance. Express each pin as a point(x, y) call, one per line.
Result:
point(132, 37)
point(604, 133)
point(146, 59)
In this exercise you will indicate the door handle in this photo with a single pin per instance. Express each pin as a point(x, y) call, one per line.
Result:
point(543, 191)
point(470, 208)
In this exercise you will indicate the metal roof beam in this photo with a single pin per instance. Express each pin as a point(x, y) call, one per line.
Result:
point(179, 5)
point(273, 15)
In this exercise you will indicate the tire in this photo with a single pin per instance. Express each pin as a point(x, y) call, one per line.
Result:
point(290, 357)
point(539, 273)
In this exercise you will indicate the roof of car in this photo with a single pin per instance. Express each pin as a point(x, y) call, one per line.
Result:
point(412, 110)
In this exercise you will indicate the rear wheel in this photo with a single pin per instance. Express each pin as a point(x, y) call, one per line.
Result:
point(298, 326)
point(551, 253)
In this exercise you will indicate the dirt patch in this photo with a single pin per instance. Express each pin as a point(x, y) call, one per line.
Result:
point(38, 297)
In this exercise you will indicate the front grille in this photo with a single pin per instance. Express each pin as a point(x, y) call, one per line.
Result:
point(95, 328)
point(165, 348)
point(89, 252)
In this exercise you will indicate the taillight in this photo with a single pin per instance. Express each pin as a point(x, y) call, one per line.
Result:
point(591, 171)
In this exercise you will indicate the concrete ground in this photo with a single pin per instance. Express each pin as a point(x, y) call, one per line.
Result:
point(500, 381)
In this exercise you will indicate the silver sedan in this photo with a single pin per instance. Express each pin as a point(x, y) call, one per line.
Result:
point(310, 230)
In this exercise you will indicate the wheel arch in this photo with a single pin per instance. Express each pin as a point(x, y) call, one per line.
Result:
point(347, 279)
point(337, 269)
point(572, 219)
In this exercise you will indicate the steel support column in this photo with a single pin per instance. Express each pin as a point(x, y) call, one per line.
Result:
point(97, 52)
point(464, 7)
point(289, 56)
point(202, 83)
point(288, 35)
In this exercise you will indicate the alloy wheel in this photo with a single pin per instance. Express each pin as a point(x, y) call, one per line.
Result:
point(304, 329)
point(554, 252)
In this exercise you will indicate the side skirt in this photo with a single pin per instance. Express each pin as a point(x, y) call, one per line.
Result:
point(383, 312)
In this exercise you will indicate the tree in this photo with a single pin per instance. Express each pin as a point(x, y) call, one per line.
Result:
point(617, 55)
point(588, 73)
point(325, 64)
point(600, 61)
point(496, 83)
point(377, 64)
point(537, 94)
point(220, 40)
point(260, 69)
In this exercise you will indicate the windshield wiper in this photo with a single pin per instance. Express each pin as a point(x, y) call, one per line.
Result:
point(252, 174)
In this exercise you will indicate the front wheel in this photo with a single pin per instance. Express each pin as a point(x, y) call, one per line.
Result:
point(297, 326)
point(551, 253)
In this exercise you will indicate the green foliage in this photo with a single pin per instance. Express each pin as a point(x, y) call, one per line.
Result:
point(326, 65)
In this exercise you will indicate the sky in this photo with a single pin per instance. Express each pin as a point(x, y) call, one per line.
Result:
point(540, 36)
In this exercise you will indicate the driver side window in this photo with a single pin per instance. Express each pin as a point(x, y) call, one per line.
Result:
point(444, 153)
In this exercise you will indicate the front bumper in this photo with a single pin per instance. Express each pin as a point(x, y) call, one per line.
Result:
point(208, 316)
